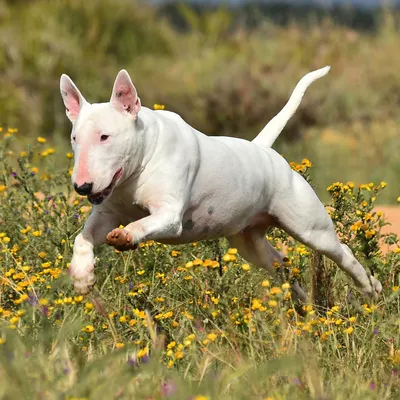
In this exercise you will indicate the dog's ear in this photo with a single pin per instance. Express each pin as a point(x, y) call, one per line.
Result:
point(72, 97)
point(124, 95)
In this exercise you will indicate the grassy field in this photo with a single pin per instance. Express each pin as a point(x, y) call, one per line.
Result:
point(187, 322)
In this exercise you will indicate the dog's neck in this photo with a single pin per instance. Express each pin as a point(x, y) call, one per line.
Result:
point(139, 152)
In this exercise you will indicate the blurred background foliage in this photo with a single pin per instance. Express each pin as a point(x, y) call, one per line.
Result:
point(226, 71)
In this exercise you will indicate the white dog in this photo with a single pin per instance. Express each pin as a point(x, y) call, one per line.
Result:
point(164, 180)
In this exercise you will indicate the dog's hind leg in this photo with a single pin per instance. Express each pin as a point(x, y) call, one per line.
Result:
point(254, 247)
point(301, 214)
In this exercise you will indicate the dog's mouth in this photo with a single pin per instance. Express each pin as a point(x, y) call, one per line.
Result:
point(98, 198)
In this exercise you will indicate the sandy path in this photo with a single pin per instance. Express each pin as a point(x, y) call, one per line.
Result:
point(392, 214)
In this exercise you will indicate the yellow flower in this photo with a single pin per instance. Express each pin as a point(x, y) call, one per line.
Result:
point(275, 290)
point(171, 345)
point(158, 106)
point(41, 139)
point(395, 288)
point(46, 264)
point(370, 233)
point(286, 286)
point(265, 283)
point(348, 330)
point(179, 355)
point(25, 230)
point(226, 257)
point(69, 155)
point(143, 352)
point(119, 345)
point(88, 328)
point(2, 188)
point(272, 303)
point(383, 184)
point(245, 267)
point(200, 397)
point(232, 251)
point(212, 337)
point(43, 302)
point(37, 233)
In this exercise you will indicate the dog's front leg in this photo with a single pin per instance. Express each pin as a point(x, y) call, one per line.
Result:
point(82, 264)
point(165, 223)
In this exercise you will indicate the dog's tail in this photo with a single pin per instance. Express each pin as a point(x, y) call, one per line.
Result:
point(271, 131)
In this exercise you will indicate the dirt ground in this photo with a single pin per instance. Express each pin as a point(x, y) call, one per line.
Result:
point(392, 214)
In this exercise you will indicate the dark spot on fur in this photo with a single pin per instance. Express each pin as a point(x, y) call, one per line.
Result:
point(206, 229)
point(128, 109)
point(211, 210)
point(188, 225)
point(119, 94)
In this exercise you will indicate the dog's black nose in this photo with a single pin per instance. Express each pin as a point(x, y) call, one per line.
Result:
point(84, 189)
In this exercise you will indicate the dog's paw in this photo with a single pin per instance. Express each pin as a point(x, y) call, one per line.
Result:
point(373, 289)
point(121, 240)
point(84, 285)
point(82, 272)
point(376, 286)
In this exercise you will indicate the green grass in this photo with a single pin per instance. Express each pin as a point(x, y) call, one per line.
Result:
point(188, 321)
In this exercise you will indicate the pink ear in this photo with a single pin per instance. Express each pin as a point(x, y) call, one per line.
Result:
point(124, 96)
point(73, 100)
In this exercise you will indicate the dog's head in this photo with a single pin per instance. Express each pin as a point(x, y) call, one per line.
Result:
point(103, 136)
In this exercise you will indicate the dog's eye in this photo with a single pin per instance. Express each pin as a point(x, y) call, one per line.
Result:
point(104, 137)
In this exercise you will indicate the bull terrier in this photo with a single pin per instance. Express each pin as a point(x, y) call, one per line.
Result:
point(163, 180)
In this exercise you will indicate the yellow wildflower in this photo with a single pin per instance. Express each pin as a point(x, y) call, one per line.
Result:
point(88, 328)
point(245, 267)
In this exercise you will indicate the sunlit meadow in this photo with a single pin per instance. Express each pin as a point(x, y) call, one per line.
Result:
point(185, 322)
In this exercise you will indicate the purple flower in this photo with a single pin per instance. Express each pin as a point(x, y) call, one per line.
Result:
point(395, 373)
point(33, 301)
point(14, 174)
point(376, 331)
point(372, 385)
point(296, 381)
point(33, 173)
point(45, 311)
point(76, 216)
point(145, 359)
point(168, 388)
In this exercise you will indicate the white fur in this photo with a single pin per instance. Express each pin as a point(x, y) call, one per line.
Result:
point(179, 185)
